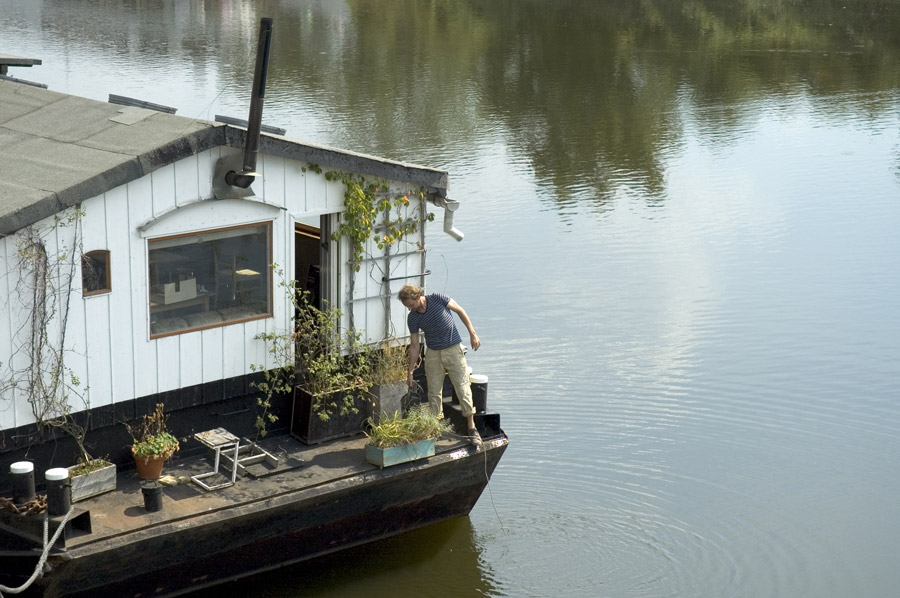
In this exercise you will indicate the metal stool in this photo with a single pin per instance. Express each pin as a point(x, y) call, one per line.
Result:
point(219, 439)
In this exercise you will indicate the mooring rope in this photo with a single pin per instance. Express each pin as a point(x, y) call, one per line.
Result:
point(44, 554)
point(487, 477)
point(490, 494)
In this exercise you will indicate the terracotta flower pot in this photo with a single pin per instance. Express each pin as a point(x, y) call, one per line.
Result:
point(149, 467)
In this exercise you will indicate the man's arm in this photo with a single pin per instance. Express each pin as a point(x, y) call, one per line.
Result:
point(413, 357)
point(456, 308)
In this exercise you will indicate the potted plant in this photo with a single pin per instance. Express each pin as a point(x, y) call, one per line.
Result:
point(325, 370)
point(332, 375)
point(389, 363)
point(153, 443)
point(91, 476)
point(398, 439)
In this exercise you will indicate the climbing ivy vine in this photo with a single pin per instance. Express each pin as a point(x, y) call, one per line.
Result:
point(364, 200)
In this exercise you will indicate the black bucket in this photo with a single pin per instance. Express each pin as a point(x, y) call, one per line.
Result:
point(479, 392)
point(153, 495)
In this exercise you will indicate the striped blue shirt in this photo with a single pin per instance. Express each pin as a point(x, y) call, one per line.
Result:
point(437, 322)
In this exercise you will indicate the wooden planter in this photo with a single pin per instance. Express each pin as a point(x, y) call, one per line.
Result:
point(309, 428)
point(91, 484)
point(399, 454)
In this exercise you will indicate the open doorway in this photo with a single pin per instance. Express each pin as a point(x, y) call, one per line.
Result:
point(308, 259)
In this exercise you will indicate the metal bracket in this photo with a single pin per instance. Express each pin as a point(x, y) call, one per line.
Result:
point(221, 189)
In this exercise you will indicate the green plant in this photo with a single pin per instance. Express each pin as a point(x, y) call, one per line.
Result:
point(316, 356)
point(150, 436)
point(389, 362)
point(419, 424)
point(332, 366)
point(363, 202)
point(83, 467)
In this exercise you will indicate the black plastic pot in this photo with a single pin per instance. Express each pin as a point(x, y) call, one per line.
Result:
point(153, 496)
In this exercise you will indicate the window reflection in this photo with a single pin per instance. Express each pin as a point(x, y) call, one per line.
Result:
point(209, 279)
point(95, 272)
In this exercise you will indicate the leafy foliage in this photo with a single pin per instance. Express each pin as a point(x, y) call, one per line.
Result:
point(419, 424)
point(83, 467)
point(151, 436)
point(329, 364)
point(364, 201)
point(389, 362)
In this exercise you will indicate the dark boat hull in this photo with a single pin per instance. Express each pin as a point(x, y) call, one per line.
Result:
point(184, 556)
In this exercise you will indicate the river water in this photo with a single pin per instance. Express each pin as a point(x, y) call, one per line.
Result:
point(681, 256)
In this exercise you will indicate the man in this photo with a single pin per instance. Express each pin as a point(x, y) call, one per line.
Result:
point(433, 315)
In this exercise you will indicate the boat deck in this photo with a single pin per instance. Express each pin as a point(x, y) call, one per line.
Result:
point(122, 512)
point(318, 499)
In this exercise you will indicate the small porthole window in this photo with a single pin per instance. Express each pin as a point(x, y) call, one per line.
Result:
point(95, 272)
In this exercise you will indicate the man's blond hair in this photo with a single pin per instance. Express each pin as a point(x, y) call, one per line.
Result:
point(409, 291)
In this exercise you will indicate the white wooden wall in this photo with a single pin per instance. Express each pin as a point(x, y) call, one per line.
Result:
point(107, 337)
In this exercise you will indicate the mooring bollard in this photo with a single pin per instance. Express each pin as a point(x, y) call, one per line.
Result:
point(23, 481)
point(59, 491)
point(478, 383)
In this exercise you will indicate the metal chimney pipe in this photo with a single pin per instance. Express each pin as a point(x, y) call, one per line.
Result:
point(254, 122)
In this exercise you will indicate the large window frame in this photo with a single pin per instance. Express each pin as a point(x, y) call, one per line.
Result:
point(209, 279)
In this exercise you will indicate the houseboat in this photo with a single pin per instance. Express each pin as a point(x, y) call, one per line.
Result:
point(143, 261)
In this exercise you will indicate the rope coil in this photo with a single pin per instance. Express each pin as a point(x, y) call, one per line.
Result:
point(47, 544)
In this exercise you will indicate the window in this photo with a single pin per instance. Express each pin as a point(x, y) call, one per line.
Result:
point(95, 272)
point(211, 278)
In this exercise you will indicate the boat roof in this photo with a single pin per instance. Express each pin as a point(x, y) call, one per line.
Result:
point(57, 150)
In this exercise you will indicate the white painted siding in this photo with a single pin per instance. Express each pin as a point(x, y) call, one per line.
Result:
point(107, 338)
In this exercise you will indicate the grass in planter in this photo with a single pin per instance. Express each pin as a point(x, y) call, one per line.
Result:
point(83, 467)
point(419, 424)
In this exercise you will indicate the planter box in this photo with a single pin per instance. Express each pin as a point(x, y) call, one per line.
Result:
point(389, 399)
point(307, 427)
point(93, 483)
point(399, 454)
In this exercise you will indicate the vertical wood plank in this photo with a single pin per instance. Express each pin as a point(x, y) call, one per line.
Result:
point(94, 310)
point(168, 361)
point(7, 266)
point(122, 333)
point(234, 341)
point(190, 350)
point(140, 210)
point(206, 164)
point(187, 185)
point(295, 190)
point(273, 180)
point(163, 191)
point(21, 292)
point(212, 358)
point(334, 195)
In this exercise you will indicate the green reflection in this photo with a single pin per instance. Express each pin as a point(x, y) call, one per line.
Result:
point(593, 95)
